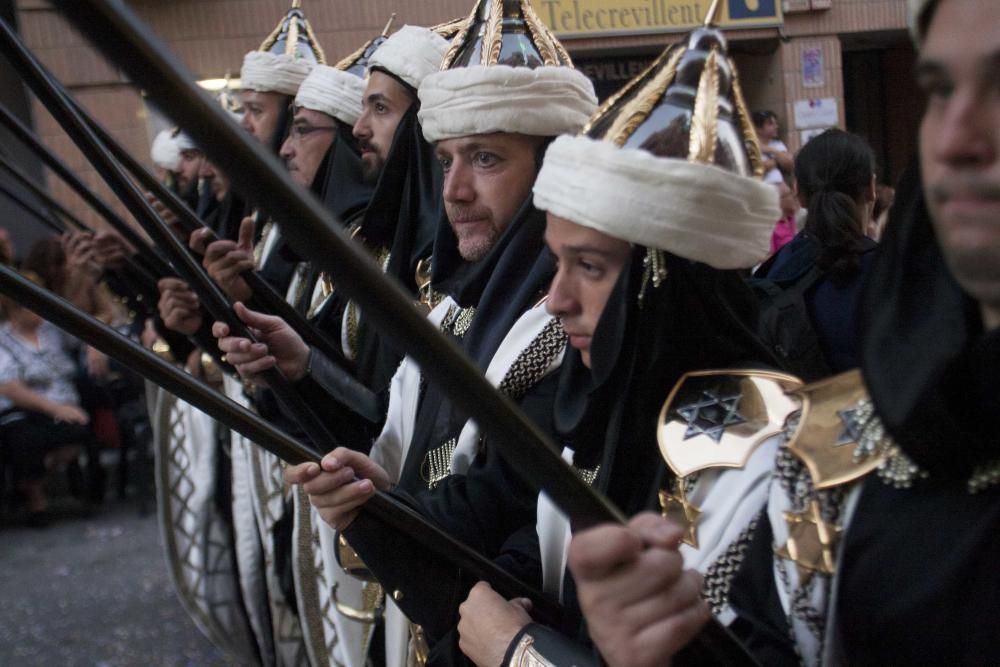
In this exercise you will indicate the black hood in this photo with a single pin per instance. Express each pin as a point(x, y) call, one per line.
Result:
point(401, 218)
point(407, 203)
point(931, 370)
point(339, 181)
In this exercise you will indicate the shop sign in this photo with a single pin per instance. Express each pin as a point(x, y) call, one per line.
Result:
point(597, 18)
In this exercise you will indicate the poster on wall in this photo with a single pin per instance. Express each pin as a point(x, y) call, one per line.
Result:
point(816, 113)
point(812, 67)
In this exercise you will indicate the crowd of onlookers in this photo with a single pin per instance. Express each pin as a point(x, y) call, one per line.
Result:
point(63, 404)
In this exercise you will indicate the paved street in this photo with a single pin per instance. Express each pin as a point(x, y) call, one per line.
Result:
point(93, 591)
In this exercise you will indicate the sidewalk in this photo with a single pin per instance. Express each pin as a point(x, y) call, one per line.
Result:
point(93, 591)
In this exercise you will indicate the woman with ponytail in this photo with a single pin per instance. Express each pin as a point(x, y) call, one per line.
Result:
point(835, 182)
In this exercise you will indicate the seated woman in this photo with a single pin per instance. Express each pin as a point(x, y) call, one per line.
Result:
point(40, 418)
point(835, 179)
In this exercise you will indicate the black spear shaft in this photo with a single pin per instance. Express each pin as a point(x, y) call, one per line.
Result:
point(115, 30)
point(212, 298)
point(46, 220)
point(397, 515)
point(136, 270)
point(14, 172)
point(157, 265)
point(265, 295)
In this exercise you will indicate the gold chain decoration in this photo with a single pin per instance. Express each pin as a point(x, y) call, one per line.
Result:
point(436, 466)
point(458, 320)
point(654, 271)
point(704, 134)
point(984, 477)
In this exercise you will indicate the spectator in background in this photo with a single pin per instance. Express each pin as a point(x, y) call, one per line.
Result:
point(6, 247)
point(41, 422)
point(787, 227)
point(778, 162)
point(835, 176)
point(884, 197)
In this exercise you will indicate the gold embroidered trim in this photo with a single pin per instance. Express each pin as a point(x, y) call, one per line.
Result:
point(639, 108)
point(493, 40)
point(459, 41)
point(544, 41)
point(526, 655)
point(704, 134)
point(258, 250)
point(750, 141)
point(457, 321)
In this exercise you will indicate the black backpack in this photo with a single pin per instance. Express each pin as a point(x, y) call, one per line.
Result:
point(785, 325)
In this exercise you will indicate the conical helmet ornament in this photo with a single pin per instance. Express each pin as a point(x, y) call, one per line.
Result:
point(505, 32)
point(670, 162)
point(357, 62)
point(294, 37)
point(227, 99)
point(687, 104)
point(450, 29)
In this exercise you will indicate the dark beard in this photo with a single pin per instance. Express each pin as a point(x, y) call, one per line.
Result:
point(371, 169)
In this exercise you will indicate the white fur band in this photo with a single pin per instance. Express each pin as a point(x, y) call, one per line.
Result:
point(697, 211)
point(184, 142)
point(165, 152)
point(333, 92)
point(270, 73)
point(543, 102)
point(915, 16)
point(411, 53)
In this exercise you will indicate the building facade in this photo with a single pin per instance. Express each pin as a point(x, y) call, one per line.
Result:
point(816, 63)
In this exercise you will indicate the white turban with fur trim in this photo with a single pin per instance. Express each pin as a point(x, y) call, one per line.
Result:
point(411, 53)
point(165, 152)
point(543, 102)
point(271, 73)
point(333, 92)
point(698, 211)
point(916, 17)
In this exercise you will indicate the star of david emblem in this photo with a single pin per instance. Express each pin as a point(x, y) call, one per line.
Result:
point(711, 414)
point(851, 432)
point(811, 543)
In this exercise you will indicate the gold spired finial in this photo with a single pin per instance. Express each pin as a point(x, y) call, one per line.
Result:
point(712, 16)
point(294, 36)
point(388, 25)
point(505, 32)
point(687, 104)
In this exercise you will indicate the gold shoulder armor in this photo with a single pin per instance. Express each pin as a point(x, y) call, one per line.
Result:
point(839, 437)
point(718, 418)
